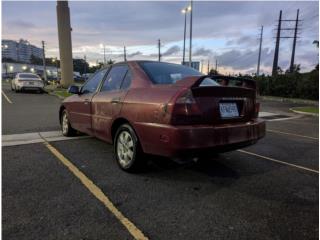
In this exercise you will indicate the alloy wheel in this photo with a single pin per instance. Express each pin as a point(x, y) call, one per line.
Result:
point(125, 148)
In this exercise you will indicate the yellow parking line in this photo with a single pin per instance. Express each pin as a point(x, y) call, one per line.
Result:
point(97, 192)
point(6, 97)
point(278, 161)
point(292, 134)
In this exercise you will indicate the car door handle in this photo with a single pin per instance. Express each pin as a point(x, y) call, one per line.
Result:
point(115, 100)
point(86, 101)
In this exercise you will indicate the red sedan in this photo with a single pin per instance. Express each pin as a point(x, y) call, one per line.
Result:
point(146, 107)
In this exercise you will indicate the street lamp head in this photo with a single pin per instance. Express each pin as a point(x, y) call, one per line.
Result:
point(183, 11)
point(189, 8)
point(101, 45)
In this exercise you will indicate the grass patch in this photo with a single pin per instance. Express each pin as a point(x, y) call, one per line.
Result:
point(62, 93)
point(307, 109)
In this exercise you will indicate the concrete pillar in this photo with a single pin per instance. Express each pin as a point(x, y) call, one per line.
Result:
point(65, 45)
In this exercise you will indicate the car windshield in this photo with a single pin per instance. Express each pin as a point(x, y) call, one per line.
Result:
point(29, 76)
point(167, 73)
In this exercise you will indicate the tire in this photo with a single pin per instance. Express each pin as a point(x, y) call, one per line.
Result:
point(127, 149)
point(66, 128)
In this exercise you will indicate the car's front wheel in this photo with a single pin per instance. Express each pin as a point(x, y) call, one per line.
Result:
point(66, 128)
point(127, 149)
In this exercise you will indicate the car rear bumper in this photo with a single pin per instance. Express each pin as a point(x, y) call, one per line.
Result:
point(176, 141)
point(30, 88)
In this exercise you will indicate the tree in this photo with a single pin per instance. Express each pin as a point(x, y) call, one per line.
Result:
point(35, 60)
point(316, 42)
point(279, 70)
point(110, 62)
point(79, 65)
point(213, 72)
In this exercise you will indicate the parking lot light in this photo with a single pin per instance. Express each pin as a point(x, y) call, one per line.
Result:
point(185, 11)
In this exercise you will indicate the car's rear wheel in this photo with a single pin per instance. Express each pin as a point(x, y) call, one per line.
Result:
point(127, 149)
point(66, 128)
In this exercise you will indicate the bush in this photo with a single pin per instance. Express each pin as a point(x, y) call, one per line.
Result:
point(290, 85)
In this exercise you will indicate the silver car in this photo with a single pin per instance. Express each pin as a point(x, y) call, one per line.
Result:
point(27, 81)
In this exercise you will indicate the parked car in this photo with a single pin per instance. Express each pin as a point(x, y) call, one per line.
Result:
point(27, 81)
point(158, 108)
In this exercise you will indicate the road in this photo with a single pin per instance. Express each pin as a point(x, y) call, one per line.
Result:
point(272, 194)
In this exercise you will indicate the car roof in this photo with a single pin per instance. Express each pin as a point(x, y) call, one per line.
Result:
point(134, 61)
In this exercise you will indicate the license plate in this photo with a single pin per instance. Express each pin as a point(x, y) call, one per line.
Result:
point(228, 110)
point(31, 83)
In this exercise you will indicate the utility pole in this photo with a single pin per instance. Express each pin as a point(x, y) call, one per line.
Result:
point(190, 43)
point(44, 62)
point(85, 64)
point(216, 65)
point(259, 57)
point(65, 45)
point(159, 52)
point(276, 51)
point(294, 43)
point(104, 55)
point(124, 53)
point(208, 66)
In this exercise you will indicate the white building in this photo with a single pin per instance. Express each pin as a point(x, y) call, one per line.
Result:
point(20, 51)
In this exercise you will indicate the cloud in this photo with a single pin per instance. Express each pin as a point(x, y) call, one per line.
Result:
point(229, 30)
point(202, 52)
point(241, 60)
point(21, 24)
point(137, 53)
point(171, 51)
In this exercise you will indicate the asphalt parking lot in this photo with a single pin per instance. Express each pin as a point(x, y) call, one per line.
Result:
point(73, 189)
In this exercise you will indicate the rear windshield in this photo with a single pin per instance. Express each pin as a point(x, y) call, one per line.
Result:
point(25, 75)
point(167, 73)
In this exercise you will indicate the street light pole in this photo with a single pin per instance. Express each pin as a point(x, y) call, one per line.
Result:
point(190, 44)
point(184, 11)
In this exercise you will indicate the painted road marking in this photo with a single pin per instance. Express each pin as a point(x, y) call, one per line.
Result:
point(292, 134)
point(278, 161)
point(6, 97)
point(97, 192)
point(283, 119)
point(36, 137)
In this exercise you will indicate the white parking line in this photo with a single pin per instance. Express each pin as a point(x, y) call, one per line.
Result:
point(37, 137)
point(278, 161)
point(292, 134)
point(6, 97)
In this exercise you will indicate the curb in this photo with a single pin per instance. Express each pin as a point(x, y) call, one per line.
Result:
point(52, 94)
point(304, 113)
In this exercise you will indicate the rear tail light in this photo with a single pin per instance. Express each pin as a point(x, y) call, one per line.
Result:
point(256, 110)
point(186, 110)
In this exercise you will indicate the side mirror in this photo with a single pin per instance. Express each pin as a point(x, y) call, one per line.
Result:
point(74, 89)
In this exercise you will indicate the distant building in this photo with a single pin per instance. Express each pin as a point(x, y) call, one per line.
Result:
point(20, 51)
point(195, 65)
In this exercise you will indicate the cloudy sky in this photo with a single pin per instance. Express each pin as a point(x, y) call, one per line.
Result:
point(226, 31)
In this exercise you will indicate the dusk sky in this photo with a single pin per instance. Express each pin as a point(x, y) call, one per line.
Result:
point(226, 31)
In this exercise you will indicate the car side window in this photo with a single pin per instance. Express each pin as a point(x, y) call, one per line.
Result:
point(127, 80)
point(92, 84)
point(114, 78)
